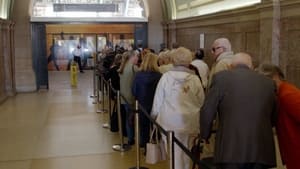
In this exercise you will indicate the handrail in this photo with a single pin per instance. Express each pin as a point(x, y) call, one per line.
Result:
point(186, 150)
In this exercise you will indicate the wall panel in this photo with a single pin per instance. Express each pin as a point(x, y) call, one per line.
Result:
point(7, 82)
point(250, 30)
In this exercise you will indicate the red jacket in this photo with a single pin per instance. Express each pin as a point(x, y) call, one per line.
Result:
point(288, 125)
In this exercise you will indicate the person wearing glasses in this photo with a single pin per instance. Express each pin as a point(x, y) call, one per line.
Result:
point(222, 55)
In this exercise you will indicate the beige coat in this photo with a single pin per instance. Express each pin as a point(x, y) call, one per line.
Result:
point(178, 98)
point(223, 62)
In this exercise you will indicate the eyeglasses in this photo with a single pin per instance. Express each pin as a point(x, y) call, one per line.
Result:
point(216, 48)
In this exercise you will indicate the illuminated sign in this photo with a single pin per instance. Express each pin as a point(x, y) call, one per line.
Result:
point(85, 7)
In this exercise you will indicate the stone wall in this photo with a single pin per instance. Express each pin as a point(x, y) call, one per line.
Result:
point(250, 30)
point(155, 32)
point(25, 77)
point(7, 79)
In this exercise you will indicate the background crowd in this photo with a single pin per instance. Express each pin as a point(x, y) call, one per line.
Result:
point(242, 103)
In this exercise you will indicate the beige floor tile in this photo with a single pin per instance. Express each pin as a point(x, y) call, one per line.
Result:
point(60, 129)
point(103, 161)
point(15, 165)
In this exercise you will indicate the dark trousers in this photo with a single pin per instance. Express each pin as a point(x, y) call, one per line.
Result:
point(78, 60)
point(53, 58)
point(242, 166)
point(129, 123)
point(144, 129)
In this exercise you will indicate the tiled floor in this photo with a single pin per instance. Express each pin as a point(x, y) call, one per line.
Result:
point(59, 129)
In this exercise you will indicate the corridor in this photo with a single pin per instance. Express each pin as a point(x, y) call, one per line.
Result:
point(59, 129)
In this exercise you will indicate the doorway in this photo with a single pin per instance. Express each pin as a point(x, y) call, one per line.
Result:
point(59, 40)
point(63, 39)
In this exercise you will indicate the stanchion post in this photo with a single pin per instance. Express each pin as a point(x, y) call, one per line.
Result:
point(96, 100)
point(137, 137)
point(102, 96)
point(171, 149)
point(107, 125)
point(98, 94)
point(94, 81)
point(109, 98)
point(120, 147)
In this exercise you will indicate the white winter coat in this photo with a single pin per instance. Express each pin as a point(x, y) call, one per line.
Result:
point(177, 101)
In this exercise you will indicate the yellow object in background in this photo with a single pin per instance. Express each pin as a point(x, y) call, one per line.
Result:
point(73, 74)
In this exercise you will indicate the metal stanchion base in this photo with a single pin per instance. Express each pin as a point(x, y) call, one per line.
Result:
point(102, 111)
point(93, 96)
point(118, 147)
point(95, 102)
point(106, 125)
point(138, 168)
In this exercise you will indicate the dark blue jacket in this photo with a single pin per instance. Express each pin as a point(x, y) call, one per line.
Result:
point(144, 86)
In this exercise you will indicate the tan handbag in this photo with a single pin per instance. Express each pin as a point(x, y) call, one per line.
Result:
point(155, 149)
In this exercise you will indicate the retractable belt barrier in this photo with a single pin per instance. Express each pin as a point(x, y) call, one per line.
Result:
point(122, 147)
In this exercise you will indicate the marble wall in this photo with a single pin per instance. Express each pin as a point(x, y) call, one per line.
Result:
point(250, 30)
point(155, 31)
point(24, 73)
point(7, 80)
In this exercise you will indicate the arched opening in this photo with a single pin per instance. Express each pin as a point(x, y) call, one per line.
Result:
point(89, 10)
point(59, 26)
point(5, 6)
point(179, 9)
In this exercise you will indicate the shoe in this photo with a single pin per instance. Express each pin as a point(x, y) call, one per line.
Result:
point(81, 71)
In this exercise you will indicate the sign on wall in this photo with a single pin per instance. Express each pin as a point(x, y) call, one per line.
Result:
point(85, 7)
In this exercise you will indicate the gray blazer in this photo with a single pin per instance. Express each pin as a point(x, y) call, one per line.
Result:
point(246, 104)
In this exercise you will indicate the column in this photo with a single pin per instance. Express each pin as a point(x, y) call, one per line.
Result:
point(12, 58)
point(276, 32)
point(2, 75)
point(165, 33)
point(171, 33)
point(266, 32)
point(25, 75)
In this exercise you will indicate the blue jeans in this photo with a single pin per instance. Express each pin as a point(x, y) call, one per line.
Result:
point(129, 123)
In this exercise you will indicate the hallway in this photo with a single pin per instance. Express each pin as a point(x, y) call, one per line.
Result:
point(59, 129)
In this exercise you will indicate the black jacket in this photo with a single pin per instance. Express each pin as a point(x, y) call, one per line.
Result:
point(144, 86)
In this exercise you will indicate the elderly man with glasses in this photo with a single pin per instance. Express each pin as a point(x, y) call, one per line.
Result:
point(222, 55)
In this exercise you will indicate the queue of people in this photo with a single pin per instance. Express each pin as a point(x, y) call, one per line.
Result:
point(243, 104)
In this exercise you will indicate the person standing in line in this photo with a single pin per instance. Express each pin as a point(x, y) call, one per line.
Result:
point(127, 73)
point(246, 105)
point(222, 55)
point(178, 98)
point(77, 53)
point(201, 66)
point(143, 88)
point(288, 121)
point(166, 61)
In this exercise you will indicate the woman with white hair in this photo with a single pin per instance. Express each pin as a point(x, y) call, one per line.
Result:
point(177, 102)
point(166, 59)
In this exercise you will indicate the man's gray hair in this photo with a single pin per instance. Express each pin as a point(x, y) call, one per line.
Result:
point(225, 43)
point(242, 59)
